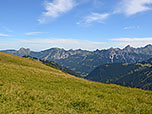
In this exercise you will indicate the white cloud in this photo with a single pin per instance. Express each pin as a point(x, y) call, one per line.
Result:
point(94, 17)
point(131, 7)
point(3, 34)
point(131, 27)
point(56, 8)
point(135, 42)
point(132, 39)
point(33, 33)
point(64, 43)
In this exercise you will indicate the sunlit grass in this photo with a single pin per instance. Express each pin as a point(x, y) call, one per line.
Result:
point(28, 86)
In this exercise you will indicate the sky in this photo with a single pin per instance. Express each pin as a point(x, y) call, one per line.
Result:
point(75, 24)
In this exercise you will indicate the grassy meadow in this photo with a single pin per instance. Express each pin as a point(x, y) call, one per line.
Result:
point(29, 87)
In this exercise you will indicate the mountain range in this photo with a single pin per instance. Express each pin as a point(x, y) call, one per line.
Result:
point(83, 62)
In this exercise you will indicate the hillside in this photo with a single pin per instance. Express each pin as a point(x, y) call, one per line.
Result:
point(137, 75)
point(28, 86)
point(55, 65)
point(83, 61)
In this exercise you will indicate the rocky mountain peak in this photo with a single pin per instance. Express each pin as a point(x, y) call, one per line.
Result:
point(128, 48)
point(148, 46)
point(23, 51)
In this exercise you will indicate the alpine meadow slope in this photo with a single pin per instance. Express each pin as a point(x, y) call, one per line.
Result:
point(29, 86)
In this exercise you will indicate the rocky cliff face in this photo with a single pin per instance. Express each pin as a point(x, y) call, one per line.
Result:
point(83, 62)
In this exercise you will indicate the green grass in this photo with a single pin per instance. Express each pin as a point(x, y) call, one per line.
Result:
point(30, 87)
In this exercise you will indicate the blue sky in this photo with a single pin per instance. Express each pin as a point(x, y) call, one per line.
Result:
point(85, 24)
